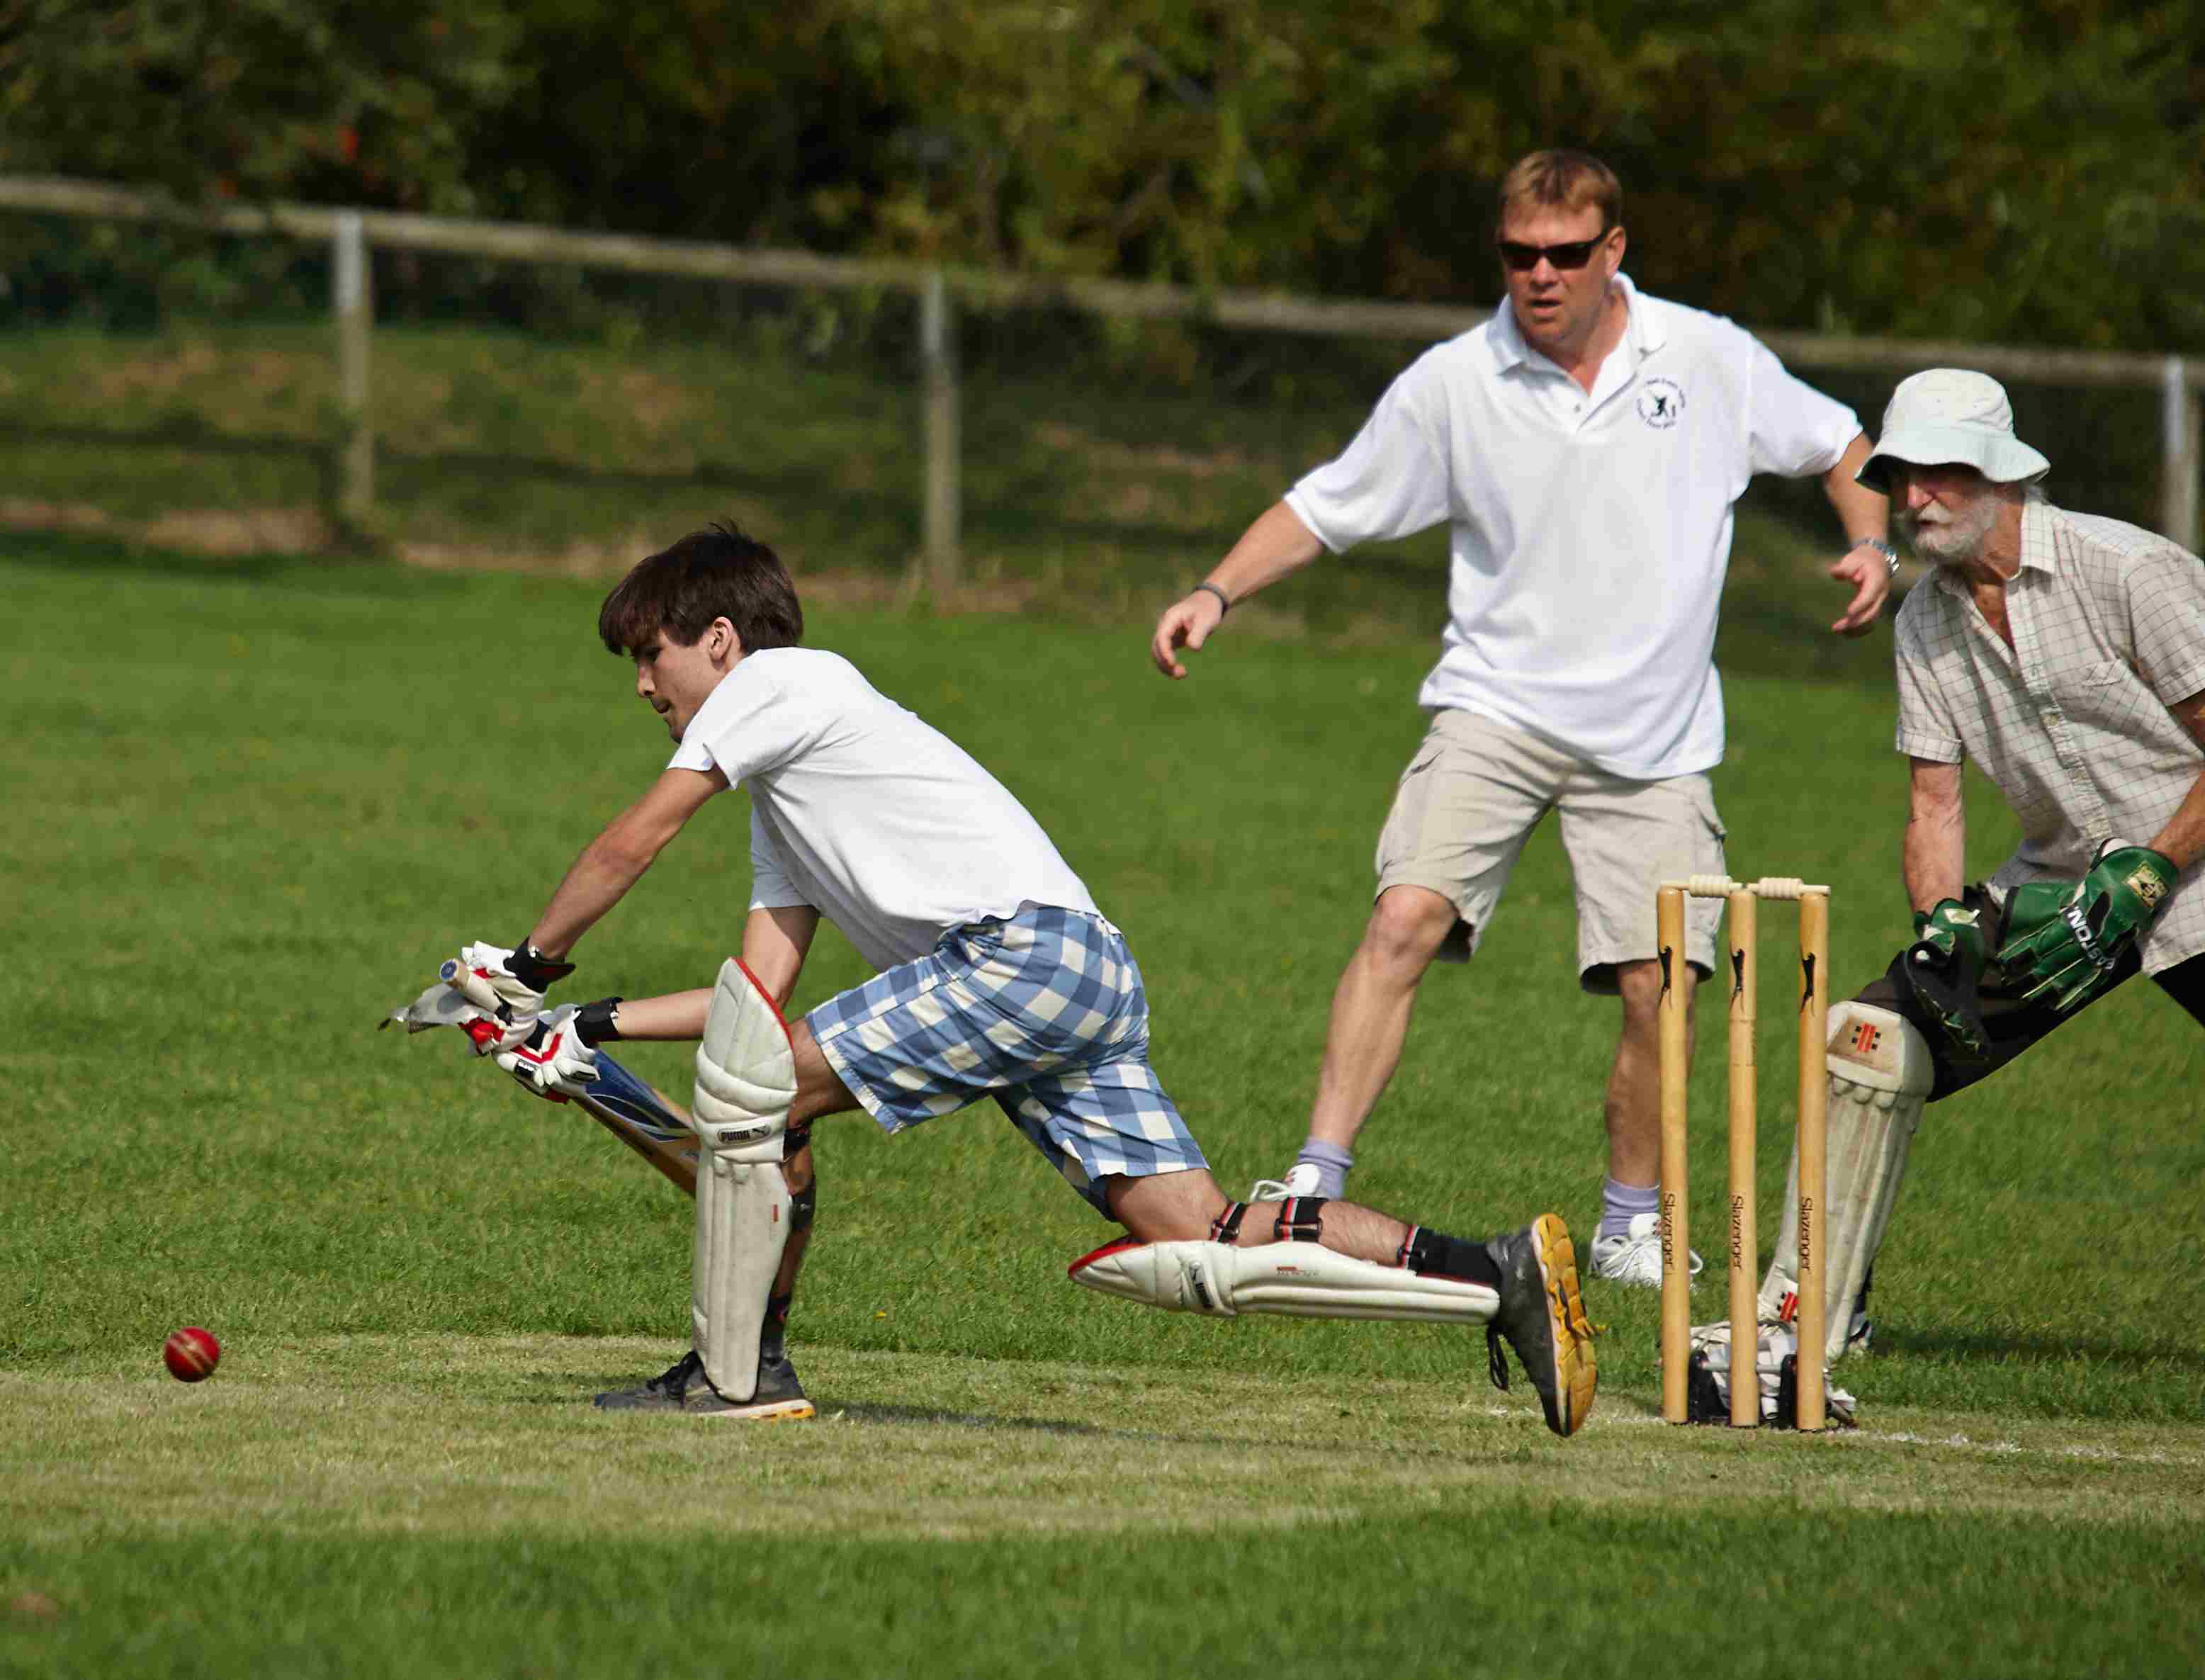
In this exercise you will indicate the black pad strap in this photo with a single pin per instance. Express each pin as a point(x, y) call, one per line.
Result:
point(1226, 1227)
point(1301, 1219)
point(773, 1339)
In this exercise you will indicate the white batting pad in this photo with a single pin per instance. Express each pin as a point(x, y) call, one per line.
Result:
point(1299, 1279)
point(742, 1226)
point(746, 1070)
point(746, 1082)
point(1880, 1072)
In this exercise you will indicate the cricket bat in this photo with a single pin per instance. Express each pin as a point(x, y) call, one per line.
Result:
point(643, 1118)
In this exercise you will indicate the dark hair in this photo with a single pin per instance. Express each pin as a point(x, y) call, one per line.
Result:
point(715, 574)
point(1570, 180)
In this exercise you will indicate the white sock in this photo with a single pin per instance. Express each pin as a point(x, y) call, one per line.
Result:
point(1619, 1203)
point(1332, 1163)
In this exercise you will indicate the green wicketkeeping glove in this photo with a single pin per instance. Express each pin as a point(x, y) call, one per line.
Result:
point(1952, 931)
point(1943, 968)
point(2064, 941)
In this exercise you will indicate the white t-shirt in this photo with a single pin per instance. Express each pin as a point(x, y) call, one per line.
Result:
point(1590, 532)
point(879, 821)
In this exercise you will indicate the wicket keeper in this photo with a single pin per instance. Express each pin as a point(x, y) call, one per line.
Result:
point(998, 977)
point(2064, 654)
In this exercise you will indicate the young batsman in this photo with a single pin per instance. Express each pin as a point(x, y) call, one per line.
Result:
point(998, 977)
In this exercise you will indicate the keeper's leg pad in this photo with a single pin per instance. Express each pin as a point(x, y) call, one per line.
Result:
point(746, 1082)
point(1299, 1279)
point(744, 1215)
point(1881, 1073)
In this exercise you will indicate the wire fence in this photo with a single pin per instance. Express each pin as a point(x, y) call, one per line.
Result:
point(947, 418)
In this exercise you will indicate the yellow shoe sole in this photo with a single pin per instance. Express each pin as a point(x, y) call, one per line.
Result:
point(1576, 1367)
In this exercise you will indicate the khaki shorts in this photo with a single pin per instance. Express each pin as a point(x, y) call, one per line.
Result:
point(1473, 793)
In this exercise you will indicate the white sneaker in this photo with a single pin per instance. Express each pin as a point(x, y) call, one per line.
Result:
point(1635, 1259)
point(1302, 1180)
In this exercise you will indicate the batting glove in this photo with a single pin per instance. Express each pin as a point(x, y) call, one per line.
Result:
point(555, 1064)
point(506, 985)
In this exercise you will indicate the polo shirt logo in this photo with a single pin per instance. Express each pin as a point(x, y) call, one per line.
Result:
point(1661, 403)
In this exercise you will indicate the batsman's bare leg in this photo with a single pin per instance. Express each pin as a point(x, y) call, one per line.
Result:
point(1370, 1011)
point(1179, 1207)
point(1191, 1249)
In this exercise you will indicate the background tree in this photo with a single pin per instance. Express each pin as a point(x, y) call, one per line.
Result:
point(2023, 169)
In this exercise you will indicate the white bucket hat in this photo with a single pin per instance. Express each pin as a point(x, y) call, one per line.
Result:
point(1948, 416)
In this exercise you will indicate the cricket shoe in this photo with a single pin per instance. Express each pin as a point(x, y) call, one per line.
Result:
point(1775, 1368)
point(1541, 1316)
point(1634, 1258)
point(683, 1387)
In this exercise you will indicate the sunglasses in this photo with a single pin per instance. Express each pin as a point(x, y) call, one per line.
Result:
point(1574, 255)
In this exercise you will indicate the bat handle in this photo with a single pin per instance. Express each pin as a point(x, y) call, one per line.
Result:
point(484, 1031)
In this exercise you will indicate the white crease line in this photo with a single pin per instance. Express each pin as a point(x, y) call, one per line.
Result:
point(1908, 1437)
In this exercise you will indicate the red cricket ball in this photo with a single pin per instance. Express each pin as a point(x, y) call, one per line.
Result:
point(191, 1354)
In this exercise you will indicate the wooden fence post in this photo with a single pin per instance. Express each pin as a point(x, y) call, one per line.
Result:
point(353, 299)
point(938, 350)
point(2181, 416)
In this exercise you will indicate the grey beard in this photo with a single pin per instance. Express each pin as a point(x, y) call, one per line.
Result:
point(1952, 542)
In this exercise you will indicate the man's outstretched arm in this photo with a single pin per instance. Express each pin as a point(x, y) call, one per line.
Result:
point(1866, 517)
point(1277, 543)
point(615, 860)
point(775, 943)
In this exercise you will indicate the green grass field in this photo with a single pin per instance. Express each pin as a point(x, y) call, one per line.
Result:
point(253, 802)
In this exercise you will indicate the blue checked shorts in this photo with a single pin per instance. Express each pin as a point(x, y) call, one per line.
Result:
point(1046, 1012)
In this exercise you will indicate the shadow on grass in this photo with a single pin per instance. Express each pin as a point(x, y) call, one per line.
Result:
point(117, 554)
point(552, 1388)
point(875, 1413)
point(802, 481)
point(179, 432)
point(2040, 1350)
point(104, 551)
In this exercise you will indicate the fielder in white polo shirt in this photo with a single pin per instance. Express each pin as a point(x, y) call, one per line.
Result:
point(1585, 447)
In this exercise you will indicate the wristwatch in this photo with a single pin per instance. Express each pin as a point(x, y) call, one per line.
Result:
point(1890, 554)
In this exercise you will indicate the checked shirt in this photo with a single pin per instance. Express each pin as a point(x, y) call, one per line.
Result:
point(2072, 723)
